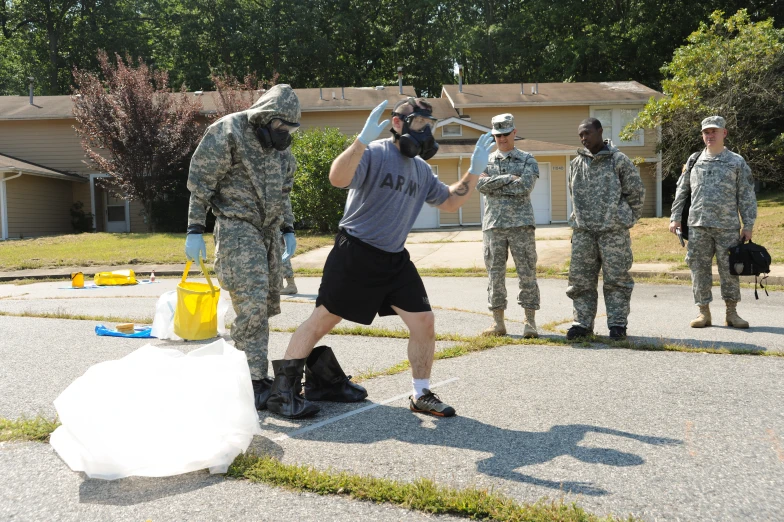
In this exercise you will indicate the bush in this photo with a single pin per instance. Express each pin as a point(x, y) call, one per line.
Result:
point(81, 221)
point(315, 202)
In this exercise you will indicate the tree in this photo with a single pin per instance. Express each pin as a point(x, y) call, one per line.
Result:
point(732, 67)
point(135, 129)
point(315, 202)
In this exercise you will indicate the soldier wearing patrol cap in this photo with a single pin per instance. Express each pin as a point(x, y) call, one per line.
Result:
point(508, 225)
point(722, 194)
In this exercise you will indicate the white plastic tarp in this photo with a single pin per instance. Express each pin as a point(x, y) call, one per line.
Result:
point(158, 412)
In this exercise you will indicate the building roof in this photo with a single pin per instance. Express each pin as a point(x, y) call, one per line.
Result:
point(9, 164)
point(311, 100)
point(549, 94)
point(452, 148)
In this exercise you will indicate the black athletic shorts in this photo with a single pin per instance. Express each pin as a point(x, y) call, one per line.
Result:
point(360, 281)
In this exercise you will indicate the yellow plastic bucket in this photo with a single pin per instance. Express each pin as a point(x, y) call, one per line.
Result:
point(77, 280)
point(196, 314)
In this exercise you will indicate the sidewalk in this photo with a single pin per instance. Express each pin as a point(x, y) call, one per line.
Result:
point(458, 248)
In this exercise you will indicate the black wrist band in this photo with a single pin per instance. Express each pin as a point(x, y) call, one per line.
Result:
point(287, 230)
point(195, 229)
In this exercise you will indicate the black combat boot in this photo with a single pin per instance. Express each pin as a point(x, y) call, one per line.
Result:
point(286, 397)
point(325, 380)
point(261, 392)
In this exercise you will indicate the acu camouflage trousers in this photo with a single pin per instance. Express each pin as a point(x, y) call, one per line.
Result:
point(612, 253)
point(704, 243)
point(247, 262)
point(498, 242)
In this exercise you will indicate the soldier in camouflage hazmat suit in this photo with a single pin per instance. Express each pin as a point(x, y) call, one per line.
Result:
point(721, 188)
point(508, 225)
point(243, 170)
point(607, 196)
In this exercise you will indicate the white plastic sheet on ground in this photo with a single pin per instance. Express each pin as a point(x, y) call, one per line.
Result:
point(163, 322)
point(158, 412)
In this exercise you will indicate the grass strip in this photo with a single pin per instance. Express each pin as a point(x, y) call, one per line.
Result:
point(420, 495)
point(36, 429)
point(61, 314)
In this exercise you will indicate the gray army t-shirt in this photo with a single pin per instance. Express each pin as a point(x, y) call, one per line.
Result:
point(386, 195)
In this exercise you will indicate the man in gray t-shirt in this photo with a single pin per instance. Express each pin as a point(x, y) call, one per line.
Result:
point(369, 271)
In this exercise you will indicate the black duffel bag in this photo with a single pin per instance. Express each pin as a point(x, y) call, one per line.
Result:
point(750, 259)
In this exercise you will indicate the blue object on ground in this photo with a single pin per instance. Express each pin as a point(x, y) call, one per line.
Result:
point(139, 334)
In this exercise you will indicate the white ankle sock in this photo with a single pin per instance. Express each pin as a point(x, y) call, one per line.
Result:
point(419, 385)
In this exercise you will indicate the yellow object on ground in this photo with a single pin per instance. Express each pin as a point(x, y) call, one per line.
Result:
point(125, 327)
point(77, 280)
point(115, 278)
point(196, 314)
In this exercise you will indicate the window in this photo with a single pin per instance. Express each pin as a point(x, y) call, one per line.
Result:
point(451, 130)
point(435, 169)
point(614, 120)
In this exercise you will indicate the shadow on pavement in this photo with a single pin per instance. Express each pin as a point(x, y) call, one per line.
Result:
point(510, 449)
point(137, 490)
point(693, 343)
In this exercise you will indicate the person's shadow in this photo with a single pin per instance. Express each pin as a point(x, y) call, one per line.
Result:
point(510, 449)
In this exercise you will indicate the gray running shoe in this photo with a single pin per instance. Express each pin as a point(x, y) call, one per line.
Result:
point(430, 404)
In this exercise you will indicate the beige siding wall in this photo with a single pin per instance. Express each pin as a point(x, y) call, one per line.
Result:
point(648, 175)
point(553, 124)
point(136, 210)
point(448, 172)
point(51, 143)
point(349, 122)
point(38, 206)
point(468, 134)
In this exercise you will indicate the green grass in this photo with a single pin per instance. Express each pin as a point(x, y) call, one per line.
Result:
point(652, 241)
point(113, 249)
point(36, 429)
point(420, 495)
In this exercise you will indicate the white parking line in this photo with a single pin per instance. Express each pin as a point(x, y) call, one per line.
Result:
point(354, 412)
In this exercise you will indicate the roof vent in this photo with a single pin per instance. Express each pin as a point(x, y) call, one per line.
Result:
point(459, 78)
point(400, 79)
point(31, 80)
point(342, 93)
point(379, 87)
point(321, 93)
point(198, 93)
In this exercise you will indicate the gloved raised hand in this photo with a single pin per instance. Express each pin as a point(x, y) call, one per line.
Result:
point(373, 128)
point(481, 154)
point(195, 247)
point(291, 245)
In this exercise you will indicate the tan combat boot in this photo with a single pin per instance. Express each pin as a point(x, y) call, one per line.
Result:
point(290, 288)
point(702, 320)
point(498, 327)
point(529, 332)
point(733, 319)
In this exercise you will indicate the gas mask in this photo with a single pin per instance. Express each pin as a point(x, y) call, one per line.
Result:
point(276, 134)
point(417, 137)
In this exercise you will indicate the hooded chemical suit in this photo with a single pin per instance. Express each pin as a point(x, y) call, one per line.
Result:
point(247, 186)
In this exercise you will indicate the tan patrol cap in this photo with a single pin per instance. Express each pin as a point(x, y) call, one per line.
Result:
point(503, 124)
point(713, 122)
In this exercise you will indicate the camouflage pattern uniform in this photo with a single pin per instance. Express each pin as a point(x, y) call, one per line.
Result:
point(508, 225)
point(245, 185)
point(607, 197)
point(721, 187)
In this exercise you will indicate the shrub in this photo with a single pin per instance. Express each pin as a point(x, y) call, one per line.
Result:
point(315, 202)
point(81, 221)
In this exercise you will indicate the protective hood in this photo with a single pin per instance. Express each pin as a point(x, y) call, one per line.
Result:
point(608, 150)
point(278, 102)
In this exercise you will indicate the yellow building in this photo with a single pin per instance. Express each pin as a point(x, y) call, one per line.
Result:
point(43, 169)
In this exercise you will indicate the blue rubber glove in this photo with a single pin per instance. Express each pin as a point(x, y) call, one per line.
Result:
point(481, 154)
point(195, 247)
point(291, 245)
point(373, 128)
